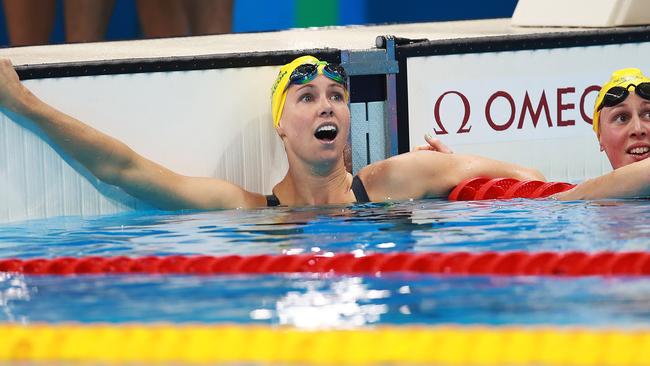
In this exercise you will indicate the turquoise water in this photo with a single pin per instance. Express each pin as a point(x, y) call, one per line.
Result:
point(327, 300)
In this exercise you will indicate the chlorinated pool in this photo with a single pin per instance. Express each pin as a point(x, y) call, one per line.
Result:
point(332, 301)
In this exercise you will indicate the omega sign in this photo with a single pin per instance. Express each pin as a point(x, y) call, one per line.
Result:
point(550, 108)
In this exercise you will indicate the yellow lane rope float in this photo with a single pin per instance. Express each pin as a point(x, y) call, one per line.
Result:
point(227, 344)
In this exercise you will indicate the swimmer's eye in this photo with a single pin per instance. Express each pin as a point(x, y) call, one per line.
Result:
point(307, 97)
point(621, 118)
point(337, 97)
point(645, 115)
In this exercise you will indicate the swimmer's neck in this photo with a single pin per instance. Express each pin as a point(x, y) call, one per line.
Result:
point(306, 187)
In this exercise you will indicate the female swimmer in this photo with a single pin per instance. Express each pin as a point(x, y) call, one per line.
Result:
point(311, 116)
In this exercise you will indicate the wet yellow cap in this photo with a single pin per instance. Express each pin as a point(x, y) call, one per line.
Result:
point(622, 77)
point(279, 89)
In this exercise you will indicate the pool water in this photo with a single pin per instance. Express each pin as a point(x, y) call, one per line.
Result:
point(329, 301)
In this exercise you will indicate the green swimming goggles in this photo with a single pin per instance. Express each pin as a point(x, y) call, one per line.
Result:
point(308, 72)
point(617, 94)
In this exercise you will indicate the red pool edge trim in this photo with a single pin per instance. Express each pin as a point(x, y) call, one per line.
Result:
point(452, 263)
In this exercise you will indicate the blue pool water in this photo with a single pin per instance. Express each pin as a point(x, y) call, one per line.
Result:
point(326, 300)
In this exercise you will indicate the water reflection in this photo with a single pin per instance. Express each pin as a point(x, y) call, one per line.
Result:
point(12, 288)
point(345, 304)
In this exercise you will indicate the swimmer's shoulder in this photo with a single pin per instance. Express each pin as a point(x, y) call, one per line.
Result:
point(405, 176)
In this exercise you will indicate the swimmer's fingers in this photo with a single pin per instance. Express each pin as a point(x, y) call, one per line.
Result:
point(10, 86)
point(7, 72)
point(434, 144)
point(437, 145)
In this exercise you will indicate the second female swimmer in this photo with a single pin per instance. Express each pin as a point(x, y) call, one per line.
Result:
point(622, 125)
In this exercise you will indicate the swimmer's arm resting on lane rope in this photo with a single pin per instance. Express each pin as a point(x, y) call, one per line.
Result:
point(421, 174)
point(630, 181)
point(114, 162)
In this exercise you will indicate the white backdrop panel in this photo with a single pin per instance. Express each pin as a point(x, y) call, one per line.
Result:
point(489, 91)
point(213, 123)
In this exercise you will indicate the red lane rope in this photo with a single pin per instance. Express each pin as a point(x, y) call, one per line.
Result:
point(456, 263)
point(482, 188)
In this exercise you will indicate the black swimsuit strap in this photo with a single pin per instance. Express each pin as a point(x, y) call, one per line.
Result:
point(272, 200)
point(358, 189)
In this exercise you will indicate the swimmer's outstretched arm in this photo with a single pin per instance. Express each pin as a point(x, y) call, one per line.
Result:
point(630, 181)
point(422, 174)
point(114, 162)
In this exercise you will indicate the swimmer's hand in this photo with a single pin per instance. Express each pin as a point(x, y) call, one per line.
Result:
point(12, 90)
point(434, 144)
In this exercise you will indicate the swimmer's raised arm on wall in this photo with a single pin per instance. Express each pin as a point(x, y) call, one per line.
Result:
point(622, 125)
point(114, 162)
point(425, 173)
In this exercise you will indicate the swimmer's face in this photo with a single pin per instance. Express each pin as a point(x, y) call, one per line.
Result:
point(624, 131)
point(315, 122)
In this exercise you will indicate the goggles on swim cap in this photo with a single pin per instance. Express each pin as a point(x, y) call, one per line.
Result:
point(308, 72)
point(301, 71)
point(618, 94)
point(617, 89)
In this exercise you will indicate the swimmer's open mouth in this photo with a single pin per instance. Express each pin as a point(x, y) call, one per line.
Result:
point(326, 132)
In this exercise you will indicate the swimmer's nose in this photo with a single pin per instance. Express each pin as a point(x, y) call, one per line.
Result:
point(326, 109)
point(639, 127)
point(327, 112)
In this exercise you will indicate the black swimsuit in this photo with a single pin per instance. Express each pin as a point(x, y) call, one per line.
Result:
point(357, 188)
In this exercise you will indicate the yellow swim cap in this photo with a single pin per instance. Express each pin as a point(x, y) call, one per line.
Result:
point(623, 78)
point(279, 89)
point(301, 71)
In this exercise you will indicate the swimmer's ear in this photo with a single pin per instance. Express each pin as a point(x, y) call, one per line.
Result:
point(600, 144)
point(280, 130)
